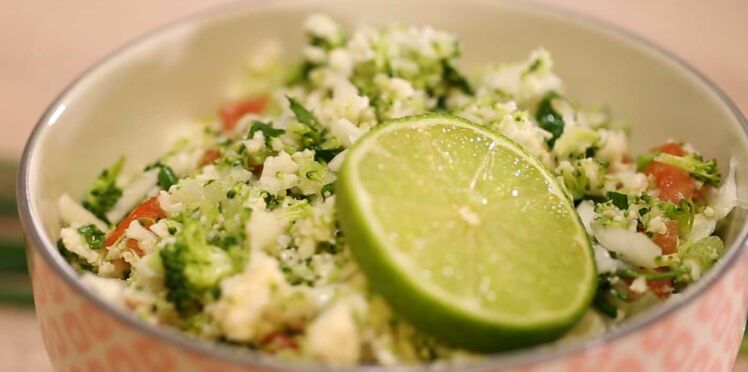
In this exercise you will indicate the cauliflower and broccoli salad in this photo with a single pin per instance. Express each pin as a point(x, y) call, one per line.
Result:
point(232, 235)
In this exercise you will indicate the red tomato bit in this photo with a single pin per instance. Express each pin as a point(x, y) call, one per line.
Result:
point(232, 112)
point(147, 213)
point(668, 240)
point(674, 183)
point(209, 156)
point(279, 340)
point(661, 287)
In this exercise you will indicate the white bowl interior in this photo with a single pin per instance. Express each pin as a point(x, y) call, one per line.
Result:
point(135, 101)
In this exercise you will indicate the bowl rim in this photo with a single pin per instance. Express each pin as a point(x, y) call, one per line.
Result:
point(43, 246)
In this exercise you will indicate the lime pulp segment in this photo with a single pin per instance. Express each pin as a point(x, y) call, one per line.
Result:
point(464, 233)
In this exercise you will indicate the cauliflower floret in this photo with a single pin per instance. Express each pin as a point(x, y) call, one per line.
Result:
point(324, 27)
point(657, 225)
point(256, 143)
point(525, 81)
point(313, 176)
point(334, 336)
point(168, 203)
point(614, 145)
point(399, 98)
point(319, 226)
point(534, 139)
point(345, 131)
point(279, 173)
point(627, 180)
point(341, 61)
point(245, 297)
point(262, 229)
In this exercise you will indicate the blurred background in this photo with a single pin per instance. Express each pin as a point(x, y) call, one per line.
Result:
point(44, 44)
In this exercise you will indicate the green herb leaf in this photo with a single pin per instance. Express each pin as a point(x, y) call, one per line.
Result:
point(621, 201)
point(453, 78)
point(549, 119)
point(267, 131)
point(93, 236)
point(303, 115)
point(166, 177)
point(104, 192)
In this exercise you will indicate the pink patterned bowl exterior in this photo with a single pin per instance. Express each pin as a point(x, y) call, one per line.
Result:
point(698, 331)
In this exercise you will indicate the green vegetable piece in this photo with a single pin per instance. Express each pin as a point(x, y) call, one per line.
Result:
point(621, 201)
point(694, 164)
point(104, 192)
point(684, 213)
point(300, 73)
point(326, 155)
point(575, 140)
point(166, 177)
point(328, 189)
point(267, 130)
point(93, 236)
point(271, 201)
point(643, 160)
point(78, 263)
point(193, 268)
point(704, 252)
point(549, 119)
point(601, 301)
point(303, 115)
point(453, 78)
point(313, 134)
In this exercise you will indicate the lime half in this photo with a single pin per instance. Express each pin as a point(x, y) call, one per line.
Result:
point(464, 233)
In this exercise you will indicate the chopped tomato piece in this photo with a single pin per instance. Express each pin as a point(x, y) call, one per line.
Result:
point(674, 183)
point(147, 213)
point(209, 156)
point(279, 340)
point(668, 240)
point(232, 112)
point(672, 149)
point(132, 245)
point(661, 287)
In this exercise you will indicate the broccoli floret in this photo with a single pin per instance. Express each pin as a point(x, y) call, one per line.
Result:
point(684, 213)
point(694, 164)
point(583, 177)
point(704, 252)
point(193, 268)
point(549, 119)
point(104, 192)
point(575, 141)
point(93, 236)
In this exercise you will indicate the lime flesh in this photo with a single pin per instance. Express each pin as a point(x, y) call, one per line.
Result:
point(464, 233)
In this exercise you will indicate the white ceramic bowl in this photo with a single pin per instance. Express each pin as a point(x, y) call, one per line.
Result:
point(130, 101)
